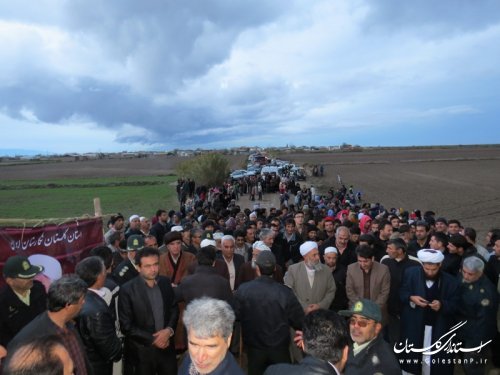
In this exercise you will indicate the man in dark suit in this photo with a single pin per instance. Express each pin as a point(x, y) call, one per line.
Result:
point(233, 261)
point(148, 314)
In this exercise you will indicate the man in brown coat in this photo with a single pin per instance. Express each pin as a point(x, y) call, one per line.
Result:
point(175, 264)
point(368, 279)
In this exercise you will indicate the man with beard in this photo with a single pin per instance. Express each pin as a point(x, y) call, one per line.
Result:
point(346, 249)
point(339, 273)
point(381, 239)
point(430, 301)
point(311, 281)
point(134, 228)
point(421, 240)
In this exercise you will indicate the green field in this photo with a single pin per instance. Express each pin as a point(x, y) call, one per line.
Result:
point(73, 197)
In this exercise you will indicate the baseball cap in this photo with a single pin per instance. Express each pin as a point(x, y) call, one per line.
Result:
point(366, 308)
point(266, 262)
point(266, 259)
point(18, 266)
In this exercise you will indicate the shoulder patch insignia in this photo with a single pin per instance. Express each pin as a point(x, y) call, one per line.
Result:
point(485, 302)
point(123, 271)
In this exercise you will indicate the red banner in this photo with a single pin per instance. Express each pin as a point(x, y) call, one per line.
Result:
point(68, 243)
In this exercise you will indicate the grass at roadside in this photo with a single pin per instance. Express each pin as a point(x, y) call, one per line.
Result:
point(65, 198)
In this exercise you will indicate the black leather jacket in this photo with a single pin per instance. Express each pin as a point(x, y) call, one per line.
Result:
point(267, 310)
point(96, 326)
point(308, 366)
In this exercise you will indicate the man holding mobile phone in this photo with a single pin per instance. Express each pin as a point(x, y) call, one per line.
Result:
point(430, 300)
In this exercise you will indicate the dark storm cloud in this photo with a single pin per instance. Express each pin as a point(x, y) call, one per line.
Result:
point(433, 18)
point(160, 46)
point(187, 74)
point(167, 42)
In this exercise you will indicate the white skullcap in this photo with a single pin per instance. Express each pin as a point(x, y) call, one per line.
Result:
point(218, 235)
point(177, 228)
point(331, 249)
point(207, 242)
point(252, 214)
point(430, 256)
point(260, 245)
point(142, 218)
point(133, 217)
point(307, 247)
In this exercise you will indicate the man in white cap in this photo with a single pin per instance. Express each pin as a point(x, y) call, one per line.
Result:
point(134, 226)
point(312, 283)
point(311, 280)
point(339, 273)
point(430, 300)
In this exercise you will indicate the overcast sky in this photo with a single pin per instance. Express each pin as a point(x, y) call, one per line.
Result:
point(93, 75)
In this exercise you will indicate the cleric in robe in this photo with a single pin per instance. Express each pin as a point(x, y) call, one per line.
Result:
point(430, 300)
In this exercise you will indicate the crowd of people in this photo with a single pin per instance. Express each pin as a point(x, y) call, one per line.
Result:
point(327, 284)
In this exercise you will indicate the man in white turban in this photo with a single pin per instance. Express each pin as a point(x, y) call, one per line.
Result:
point(311, 281)
point(430, 300)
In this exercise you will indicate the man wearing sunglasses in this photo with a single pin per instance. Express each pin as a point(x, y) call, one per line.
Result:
point(369, 353)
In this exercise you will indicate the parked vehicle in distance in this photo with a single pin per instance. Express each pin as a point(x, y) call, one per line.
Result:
point(271, 169)
point(254, 168)
point(239, 173)
point(299, 173)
